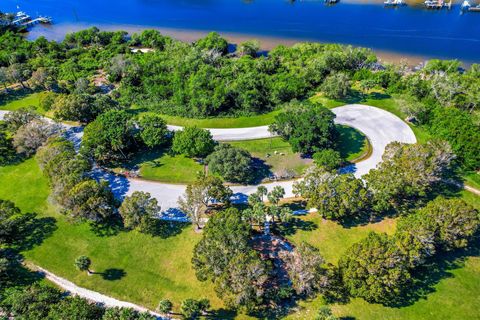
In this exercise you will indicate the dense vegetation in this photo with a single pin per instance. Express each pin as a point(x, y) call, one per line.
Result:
point(203, 79)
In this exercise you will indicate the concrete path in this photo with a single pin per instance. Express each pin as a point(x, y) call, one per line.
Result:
point(107, 301)
point(380, 127)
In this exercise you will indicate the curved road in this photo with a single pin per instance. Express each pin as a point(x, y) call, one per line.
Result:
point(380, 127)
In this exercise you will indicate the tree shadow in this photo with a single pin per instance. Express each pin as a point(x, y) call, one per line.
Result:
point(261, 170)
point(34, 232)
point(113, 274)
point(108, 228)
point(165, 229)
point(295, 224)
point(222, 314)
point(426, 277)
point(13, 95)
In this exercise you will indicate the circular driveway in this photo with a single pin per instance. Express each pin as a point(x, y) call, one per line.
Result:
point(380, 127)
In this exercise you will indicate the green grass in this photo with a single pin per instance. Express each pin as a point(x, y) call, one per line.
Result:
point(239, 122)
point(14, 101)
point(159, 165)
point(154, 267)
point(172, 169)
point(265, 149)
point(352, 144)
point(472, 179)
point(457, 291)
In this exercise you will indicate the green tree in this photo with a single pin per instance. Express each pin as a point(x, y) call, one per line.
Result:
point(448, 223)
point(7, 151)
point(118, 313)
point(233, 164)
point(83, 263)
point(371, 269)
point(201, 194)
point(33, 302)
point(165, 306)
point(335, 196)
point(336, 86)
point(82, 107)
point(139, 211)
point(90, 200)
point(109, 137)
point(193, 142)
point(463, 134)
point(249, 48)
point(153, 130)
point(308, 128)
point(213, 41)
point(242, 284)
point(75, 308)
point(225, 235)
point(328, 158)
point(325, 313)
point(407, 172)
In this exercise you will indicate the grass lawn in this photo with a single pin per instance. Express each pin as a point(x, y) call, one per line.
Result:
point(158, 165)
point(284, 158)
point(19, 99)
point(472, 179)
point(352, 144)
point(239, 122)
point(130, 266)
point(457, 290)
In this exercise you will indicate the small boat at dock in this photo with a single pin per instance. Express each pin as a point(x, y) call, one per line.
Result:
point(394, 3)
point(331, 1)
point(438, 4)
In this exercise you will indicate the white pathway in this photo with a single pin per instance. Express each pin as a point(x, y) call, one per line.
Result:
point(380, 127)
point(92, 295)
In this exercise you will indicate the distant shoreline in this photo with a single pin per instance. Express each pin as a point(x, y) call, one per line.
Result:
point(58, 32)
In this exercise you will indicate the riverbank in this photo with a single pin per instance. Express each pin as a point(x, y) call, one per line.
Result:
point(57, 32)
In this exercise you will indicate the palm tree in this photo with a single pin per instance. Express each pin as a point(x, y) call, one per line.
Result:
point(83, 264)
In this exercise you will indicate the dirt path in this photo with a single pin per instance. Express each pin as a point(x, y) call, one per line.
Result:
point(89, 294)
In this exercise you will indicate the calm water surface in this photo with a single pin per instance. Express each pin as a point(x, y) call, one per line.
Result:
point(409, 30)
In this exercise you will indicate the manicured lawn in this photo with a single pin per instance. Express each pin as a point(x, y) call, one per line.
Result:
point(159, 165)
point(457, 290)
point(173, 169)
point(276, 153)
point(352, 144)
point(240, 122)
point(14, 101)
point(136, 267)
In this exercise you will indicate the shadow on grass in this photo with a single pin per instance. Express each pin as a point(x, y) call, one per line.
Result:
point(113, 274)
point(295, 224)
point(222, 314)
point(165, 229)
point(13, 95)
point(34, 232)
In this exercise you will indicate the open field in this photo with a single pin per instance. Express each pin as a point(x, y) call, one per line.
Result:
point(19, 99)
point(143, 269)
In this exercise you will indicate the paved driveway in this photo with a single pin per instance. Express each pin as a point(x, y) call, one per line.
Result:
point(380, 127)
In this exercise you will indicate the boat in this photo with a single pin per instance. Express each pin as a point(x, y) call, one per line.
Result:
point(474, 9)
point(465, 5)
point(394, 3)
point(331, 1)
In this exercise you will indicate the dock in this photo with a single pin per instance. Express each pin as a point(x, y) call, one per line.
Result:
point(25, 20)
point(438, 4)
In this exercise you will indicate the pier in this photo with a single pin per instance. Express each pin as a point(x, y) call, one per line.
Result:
point(25, 20)
point(438, 4)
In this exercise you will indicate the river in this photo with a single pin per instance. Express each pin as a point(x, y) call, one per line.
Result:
point(410, 30)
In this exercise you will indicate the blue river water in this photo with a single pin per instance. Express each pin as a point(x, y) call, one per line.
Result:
point(409, 30)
